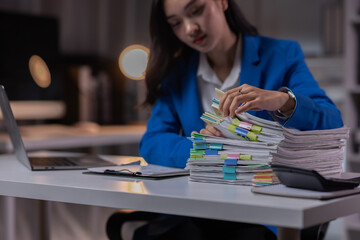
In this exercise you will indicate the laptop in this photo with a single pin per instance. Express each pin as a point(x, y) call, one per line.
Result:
point(43, 162)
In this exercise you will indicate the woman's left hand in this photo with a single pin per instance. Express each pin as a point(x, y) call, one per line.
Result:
point(211, 131)
point(251, 98)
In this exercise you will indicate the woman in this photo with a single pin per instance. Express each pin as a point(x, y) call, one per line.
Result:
point(198, 45)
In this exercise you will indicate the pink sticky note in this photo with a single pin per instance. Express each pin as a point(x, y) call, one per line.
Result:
point(233, 155)
point(245, 125)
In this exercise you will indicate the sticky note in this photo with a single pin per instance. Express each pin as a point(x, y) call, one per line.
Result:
point(211, 152)
point(252, 136)
point(233, 155)
point(228, 169)
point(229, 176)
point(217, 146)
point(246, 125)
point(241, 132)
point(200, 146)
point(195, 152)
point(245, 157)
point(230, 161)
point(256, 128)
point(223, 156)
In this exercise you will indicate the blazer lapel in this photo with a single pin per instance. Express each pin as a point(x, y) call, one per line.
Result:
point(250, 69)
point(191, 108)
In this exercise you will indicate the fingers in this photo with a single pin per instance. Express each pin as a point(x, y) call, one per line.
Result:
point(252, 105)
point(231, 103)
point(226, 96)
point(241, 100)
point(210, 130)
point(246, 97)
point(233, 98)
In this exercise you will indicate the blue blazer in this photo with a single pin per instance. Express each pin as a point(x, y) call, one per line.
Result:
point(266, 63)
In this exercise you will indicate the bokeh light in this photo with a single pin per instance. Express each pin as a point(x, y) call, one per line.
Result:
point(133, 61)
point(39, 71)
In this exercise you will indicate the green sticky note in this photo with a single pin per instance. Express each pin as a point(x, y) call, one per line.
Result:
point(252, 136)
point(245, 157)
point(231, 128)
point(256, 129)
point(197, 135)
point(236, 122)
point(196, 152)
point(259, 165)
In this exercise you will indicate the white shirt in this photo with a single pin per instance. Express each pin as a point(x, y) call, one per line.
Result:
point(207, 80)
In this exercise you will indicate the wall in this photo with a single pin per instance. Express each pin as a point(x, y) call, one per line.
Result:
point(106, 26)
point(101, 27)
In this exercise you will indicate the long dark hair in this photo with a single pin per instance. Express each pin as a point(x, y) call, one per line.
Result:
point(166, 47)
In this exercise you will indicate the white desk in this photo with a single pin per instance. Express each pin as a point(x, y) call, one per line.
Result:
point(173, 196)
point(56, 136)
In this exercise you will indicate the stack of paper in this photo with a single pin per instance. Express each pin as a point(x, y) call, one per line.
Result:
point(264, 178)
point(232, 161)
point(240, 129)
point(321, 150)
point(250, 144)
point(245, 125)
point(242, 156)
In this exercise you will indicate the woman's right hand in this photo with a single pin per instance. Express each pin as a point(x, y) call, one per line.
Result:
point(210, 130)
point(246, 97)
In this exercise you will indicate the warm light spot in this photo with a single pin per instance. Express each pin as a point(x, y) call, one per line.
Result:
point(133, 61)
point(39, 71)
point(136, 187)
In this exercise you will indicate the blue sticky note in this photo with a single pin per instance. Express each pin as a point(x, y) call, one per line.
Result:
point(211, 152)
point(216, 101)
point(241, 132)
point(230, 176)
point(230, 161)
point(228, 169)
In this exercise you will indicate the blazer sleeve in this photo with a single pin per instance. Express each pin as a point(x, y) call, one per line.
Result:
point(314, 110)
point(162, 143)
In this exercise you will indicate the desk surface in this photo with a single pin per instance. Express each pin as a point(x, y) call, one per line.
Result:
point(56, 136)
point(174, 196)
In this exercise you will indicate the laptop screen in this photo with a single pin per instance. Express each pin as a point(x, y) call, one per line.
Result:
point(13, 129)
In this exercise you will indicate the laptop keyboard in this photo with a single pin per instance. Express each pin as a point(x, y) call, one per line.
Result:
point(51, 161)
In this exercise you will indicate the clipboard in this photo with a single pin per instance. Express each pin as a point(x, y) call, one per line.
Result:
point(151, 171)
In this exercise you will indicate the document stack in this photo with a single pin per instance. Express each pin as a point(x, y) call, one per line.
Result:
point(232, 161)
point(242, 156)
point(321, 150)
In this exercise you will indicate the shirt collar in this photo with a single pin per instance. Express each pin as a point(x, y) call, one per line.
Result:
point(207, 74)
